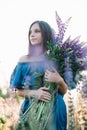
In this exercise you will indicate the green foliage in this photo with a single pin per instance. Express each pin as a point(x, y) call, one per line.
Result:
point(2, 121)
point(56, 53)
point(3, 95)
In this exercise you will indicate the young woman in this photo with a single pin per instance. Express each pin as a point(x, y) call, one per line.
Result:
point(36, 61)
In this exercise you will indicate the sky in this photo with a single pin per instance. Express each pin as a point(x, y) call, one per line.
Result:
point(17, 15)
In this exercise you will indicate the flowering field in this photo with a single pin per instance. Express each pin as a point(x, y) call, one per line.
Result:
point(76, 111)
point(9, 111)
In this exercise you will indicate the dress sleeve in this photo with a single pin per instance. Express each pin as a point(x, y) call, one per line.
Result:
point(16, 77)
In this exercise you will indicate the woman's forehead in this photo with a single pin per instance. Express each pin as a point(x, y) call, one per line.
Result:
point(35, 26)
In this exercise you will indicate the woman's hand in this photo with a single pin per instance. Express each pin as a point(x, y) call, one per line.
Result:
point(53, 76)
point(56, 78)
point(42, 94)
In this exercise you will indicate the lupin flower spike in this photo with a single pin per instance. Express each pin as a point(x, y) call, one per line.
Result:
point(61, 29)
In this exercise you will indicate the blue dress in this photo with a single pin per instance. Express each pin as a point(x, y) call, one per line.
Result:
point(24, 73)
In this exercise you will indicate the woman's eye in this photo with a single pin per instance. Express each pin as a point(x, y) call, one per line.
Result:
point(36, 31)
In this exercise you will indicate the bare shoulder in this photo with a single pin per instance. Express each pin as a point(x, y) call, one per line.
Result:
point(23, 58)
point(29, 58)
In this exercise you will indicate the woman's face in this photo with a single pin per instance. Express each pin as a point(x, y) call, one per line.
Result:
point(35, 35)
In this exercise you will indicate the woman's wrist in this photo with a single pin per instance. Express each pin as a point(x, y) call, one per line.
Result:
point(59, 81)
point(62, 87)
point(32, 94)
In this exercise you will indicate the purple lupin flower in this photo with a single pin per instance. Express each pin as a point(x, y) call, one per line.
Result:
point(68, 74)
point(61, 29)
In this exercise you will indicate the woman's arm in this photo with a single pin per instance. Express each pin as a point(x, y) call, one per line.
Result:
point(24, 93)
point(40, 94)
point(62, 87)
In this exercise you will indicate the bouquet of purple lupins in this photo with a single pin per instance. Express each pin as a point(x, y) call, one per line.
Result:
point(70, 54)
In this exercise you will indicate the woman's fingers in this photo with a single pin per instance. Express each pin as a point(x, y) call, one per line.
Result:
point(49, 76)
point(44, 88)
point(46, 97)
point(52, 76)
point(43, 94)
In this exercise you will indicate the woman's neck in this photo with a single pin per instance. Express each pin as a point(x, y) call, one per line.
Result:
point(36, 50)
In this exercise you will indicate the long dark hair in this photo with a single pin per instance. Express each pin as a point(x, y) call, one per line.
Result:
point(46, 30)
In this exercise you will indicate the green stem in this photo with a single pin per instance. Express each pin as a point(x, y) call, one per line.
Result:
point(41, 108)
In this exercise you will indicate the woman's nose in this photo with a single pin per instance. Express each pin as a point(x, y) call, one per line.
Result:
point(32, 34)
